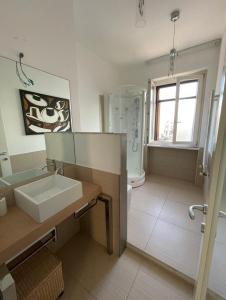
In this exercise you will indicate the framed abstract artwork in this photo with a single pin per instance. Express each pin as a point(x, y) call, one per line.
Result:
point(44, 113)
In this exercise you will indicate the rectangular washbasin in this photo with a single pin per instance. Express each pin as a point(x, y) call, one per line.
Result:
point(44, 198)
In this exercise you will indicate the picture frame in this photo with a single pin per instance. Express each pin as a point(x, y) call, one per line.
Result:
point(44, 113)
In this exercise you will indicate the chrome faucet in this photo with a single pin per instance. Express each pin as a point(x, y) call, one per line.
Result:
point(59, 171)
point(44, 167)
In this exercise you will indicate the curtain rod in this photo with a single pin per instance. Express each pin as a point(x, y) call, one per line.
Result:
point(203, 46)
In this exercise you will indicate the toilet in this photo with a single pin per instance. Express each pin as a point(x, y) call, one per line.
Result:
point(129, 196)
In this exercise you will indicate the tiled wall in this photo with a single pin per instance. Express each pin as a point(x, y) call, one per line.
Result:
point(27, 161)
point(175, 163)
point(94, 221)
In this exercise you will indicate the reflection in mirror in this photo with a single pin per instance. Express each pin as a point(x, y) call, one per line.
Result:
point(60, 147)
point(43, 107)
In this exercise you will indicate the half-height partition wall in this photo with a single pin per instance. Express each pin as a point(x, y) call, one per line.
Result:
point(101, 159)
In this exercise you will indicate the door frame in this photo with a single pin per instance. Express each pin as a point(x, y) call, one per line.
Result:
point(214, 201)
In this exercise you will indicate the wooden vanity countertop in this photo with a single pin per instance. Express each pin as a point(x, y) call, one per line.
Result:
point(18, 230)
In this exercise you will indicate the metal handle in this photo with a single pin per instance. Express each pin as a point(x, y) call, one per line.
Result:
point(3, 153)
point(44, 167)
point(203, 173)
point(222, 214)
point(5, 158)
point(202, 208)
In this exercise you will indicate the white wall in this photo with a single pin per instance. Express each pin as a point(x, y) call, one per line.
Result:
point(10, 105)
point(221, 64)
point(95, 76)
point(100, 151)
point(202, 59)
point(103, 151)
point(60, 146)
point(45, 32)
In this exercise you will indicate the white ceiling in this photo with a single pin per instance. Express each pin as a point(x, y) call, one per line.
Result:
point(107, 27)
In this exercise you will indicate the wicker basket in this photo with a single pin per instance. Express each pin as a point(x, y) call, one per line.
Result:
point(40, 277)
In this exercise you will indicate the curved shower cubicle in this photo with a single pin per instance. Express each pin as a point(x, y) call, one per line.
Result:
point(124, 113)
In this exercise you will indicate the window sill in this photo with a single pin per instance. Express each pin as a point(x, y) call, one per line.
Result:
point(173, 146)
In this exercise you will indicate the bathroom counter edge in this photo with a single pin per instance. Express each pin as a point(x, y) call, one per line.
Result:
point(18, 230)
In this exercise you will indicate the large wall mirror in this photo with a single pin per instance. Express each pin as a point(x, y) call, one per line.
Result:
point(26, 113)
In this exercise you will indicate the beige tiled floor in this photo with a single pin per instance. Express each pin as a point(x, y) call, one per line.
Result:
point(175, 246)
point(90, 273)
point(158, 222)
point(217, 280)
point(143, 225)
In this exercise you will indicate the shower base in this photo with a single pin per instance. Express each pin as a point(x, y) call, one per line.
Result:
point(136, 180)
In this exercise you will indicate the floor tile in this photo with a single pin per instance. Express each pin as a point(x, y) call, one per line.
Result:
point(189, 195)
point(167, 199)
point(148, 287)
point(81, 251)
point(116, 283)
point(92, 275)
point(211, 296)
point(144, 200)
point(221, 230)
point(175, 246)
point(74, 290)
point(140, 227)
point(169, 182)
point(103, 276)
point(183, 184)
point(217, 279)
point(158, 188)
point(154, 282)
point(177, 214)
point(166, 181)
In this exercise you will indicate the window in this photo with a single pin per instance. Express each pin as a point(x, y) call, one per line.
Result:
point(165, 112)
point(177, 111)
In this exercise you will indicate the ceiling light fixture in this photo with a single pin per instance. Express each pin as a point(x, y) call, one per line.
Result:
point(175, 15)
point(140, 13)
point(21, 74)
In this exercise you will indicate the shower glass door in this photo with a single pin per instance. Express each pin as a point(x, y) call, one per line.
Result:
point(125, 115)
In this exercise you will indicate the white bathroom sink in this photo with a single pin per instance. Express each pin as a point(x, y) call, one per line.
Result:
point(44, 198)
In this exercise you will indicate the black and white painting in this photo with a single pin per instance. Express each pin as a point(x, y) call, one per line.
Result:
point(44, 113)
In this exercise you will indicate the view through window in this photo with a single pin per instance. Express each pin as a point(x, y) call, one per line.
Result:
point(176, 111)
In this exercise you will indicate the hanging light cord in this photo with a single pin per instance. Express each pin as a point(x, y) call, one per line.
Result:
point(173, 52)
point(28, 81)
point(174, 33)
point(18, 75)
point(141, 7)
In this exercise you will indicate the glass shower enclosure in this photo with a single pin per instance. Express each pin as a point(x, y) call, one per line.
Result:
point(124, 113)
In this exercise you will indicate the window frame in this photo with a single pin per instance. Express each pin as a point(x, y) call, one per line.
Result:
point(157, 109)
point(198, 116)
